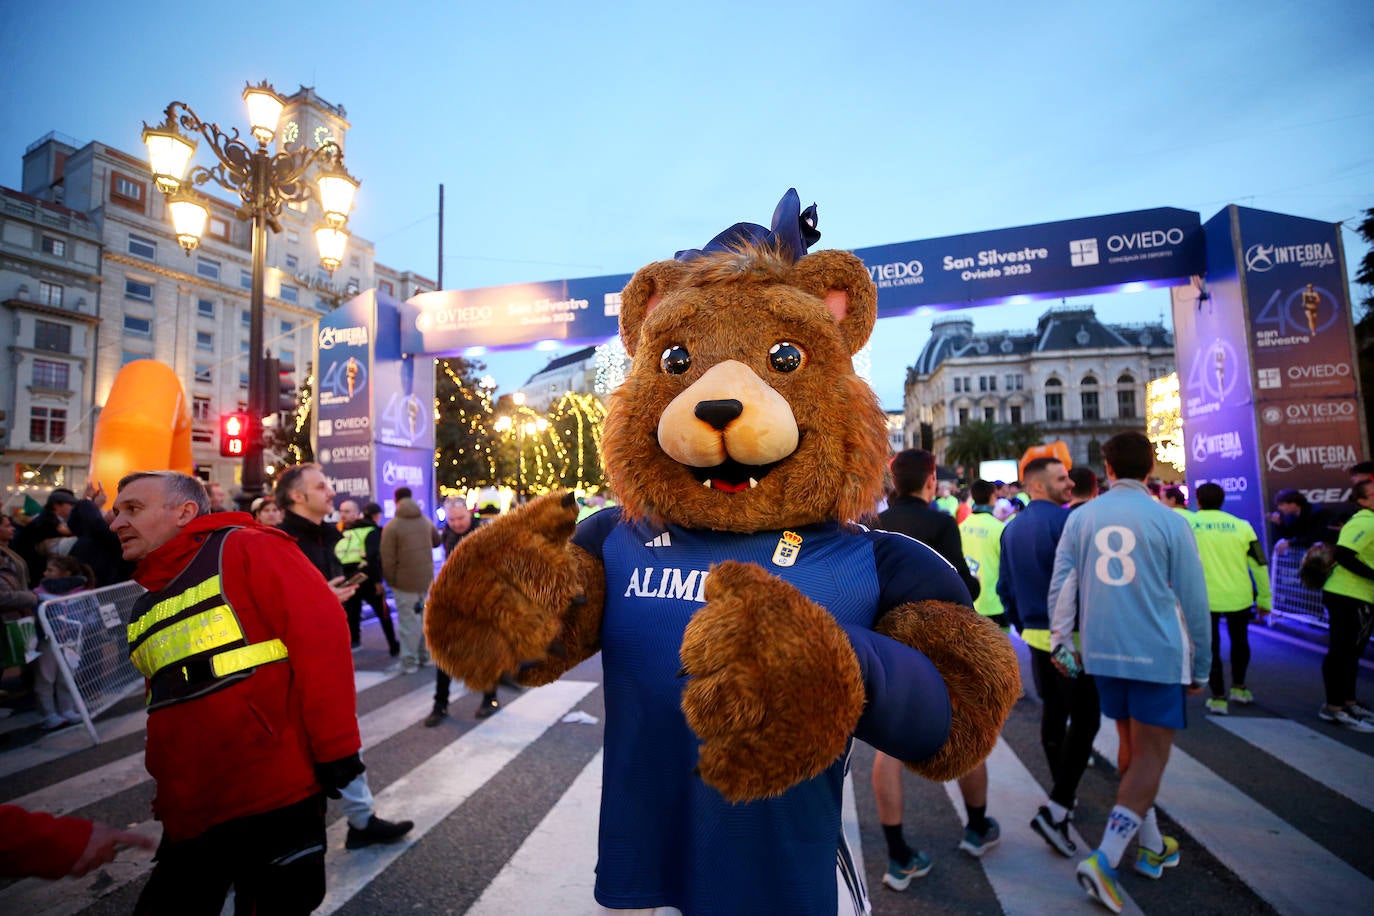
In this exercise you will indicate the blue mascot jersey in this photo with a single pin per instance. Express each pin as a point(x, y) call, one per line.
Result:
point(667, 838)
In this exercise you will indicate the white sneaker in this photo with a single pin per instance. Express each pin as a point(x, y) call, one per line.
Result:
point(1359, 711)
point(1342, 717)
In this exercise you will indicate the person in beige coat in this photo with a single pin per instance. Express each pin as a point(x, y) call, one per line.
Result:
point(408, 543)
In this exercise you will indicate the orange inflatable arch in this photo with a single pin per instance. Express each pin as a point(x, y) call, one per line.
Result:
point(1058, 449)
point(145, 425)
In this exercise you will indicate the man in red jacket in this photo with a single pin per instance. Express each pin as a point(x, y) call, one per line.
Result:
point(251, 714)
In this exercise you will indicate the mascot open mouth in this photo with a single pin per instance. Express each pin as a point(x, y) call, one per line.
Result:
point(731, 476)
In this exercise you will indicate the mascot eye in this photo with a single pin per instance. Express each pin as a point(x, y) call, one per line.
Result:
point(786, 356)
point(676, 360)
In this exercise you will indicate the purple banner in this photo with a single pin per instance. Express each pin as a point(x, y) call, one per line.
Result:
point(343, 385)
point(1213, 364)
point(1120, 251)
point(1302, 332)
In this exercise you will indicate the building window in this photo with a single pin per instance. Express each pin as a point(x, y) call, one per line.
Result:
point(293, 236)
point(135, 289)
point(1088, 399)
point(1054, 400)
point(245, 279)
point(48, 424)
point(354, 262)
point(129, 356)
point(203, 435)
point(55, 247)
point(204, 341)
point(1015, 410)
point(138, 327)
point(292, 262)
point(219, 228)
point(1013, 381)
point(246, 318)
point(205, 308)
point(987, 383)
point(1091, 411)
point(990, 414)
point(289, 294)
point(204, 374)
point(287, 327)
point(200, 408)
point(243, 380)
point(49, 373)
point(142, 248)
point(963, 416)
point(51, 336)
point(243, 346)
point(386, 287)
point(126, 192)
point(207, 268)
point(49, 293)
point(1125, 404)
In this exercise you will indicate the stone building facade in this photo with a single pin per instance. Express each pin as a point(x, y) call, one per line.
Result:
point(1077, 378)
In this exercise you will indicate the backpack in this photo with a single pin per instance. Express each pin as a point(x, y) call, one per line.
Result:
point(1316, 565)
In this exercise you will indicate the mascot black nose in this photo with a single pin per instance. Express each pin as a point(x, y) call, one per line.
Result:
point(719, 413)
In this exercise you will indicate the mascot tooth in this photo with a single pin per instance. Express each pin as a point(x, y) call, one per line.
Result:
point(750, 629)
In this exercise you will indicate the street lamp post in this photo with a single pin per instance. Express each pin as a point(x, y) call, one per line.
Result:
point(264, 182)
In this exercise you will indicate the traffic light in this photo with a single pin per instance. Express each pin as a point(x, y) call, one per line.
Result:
point(278, 386)
point(234, 431)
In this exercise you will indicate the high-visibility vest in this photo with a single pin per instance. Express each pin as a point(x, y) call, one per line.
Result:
point(186, 639)
point(351, 547)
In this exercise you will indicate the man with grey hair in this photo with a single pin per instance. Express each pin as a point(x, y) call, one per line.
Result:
point(251, 714)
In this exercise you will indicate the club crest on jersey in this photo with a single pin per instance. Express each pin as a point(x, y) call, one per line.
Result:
point(789, 545)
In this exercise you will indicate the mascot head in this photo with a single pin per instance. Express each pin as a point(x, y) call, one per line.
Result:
point(741, 411)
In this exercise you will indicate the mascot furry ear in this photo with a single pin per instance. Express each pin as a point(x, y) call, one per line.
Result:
point(749, 629)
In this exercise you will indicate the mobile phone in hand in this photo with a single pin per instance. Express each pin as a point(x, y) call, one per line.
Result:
point(357, 578)
point(1066, 658)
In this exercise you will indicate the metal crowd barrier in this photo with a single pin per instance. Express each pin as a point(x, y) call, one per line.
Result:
point(89, 632)
point(1291, 597)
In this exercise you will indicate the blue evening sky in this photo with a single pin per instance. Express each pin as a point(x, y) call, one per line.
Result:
point(591, 138)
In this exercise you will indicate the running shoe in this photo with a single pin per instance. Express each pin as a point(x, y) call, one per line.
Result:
point(1099, 880)
point(1152, 864)
point(1056, 834)
point(898, 876)
point(1343, 717)
point(975, 843)
point(1217, 706)
point(1359, 711)
point(1241, 695)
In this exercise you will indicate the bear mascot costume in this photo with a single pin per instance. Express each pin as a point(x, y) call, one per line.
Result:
point(750, 628)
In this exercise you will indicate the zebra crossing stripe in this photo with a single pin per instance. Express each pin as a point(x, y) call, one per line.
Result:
point(431, 791)
point(1026, 875)
point(1249, 839)
point(58, 898)
point(1336, 766)
point(554, 870)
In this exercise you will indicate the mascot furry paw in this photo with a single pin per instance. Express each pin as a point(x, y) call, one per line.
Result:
point(750, 630)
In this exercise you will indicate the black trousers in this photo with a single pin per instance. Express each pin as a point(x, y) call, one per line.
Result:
point(1238, 631)
point(274, 861)
point(1351, 621)
point(353, 607)
point(1068, 723)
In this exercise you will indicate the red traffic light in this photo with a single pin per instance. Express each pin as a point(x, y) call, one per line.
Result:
point(233, 434)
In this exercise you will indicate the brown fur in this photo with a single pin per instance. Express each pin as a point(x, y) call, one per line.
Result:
point(774, 690)
point(980, 670)
point(736, 306)
point(512, 591)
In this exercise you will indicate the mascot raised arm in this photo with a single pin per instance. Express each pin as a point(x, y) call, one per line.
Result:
point(750, 629)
